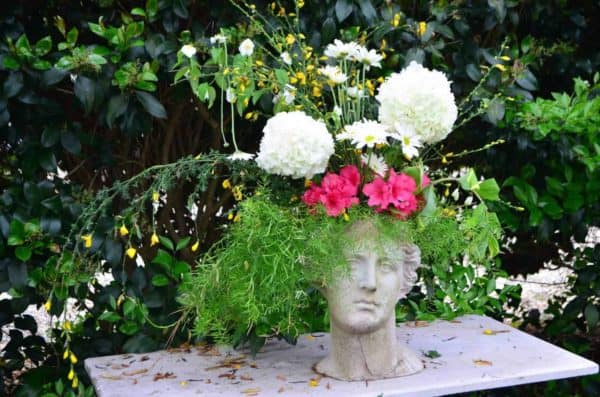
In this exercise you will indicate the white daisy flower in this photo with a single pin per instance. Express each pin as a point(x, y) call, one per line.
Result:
point(334, 74)
point(287, 59)
point(375, 163)
point(188, 50)
point(239, 155)
point(218, 39)
point(230, 95)
point(409, 139)
point(340, 50)
point(354, 92)
point(369, 58)
point(246, 47)
point(364, 133)
point(289, 94)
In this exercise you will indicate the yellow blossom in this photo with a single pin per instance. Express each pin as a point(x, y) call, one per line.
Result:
point(71, 374)
point(87, 240)
point(308, 183)
point(195, 246)
point(500, 67)
point(66, 354)
point(249, 115)
point(73, 358)
point(237, 218)
point(226, 184)
point(123, 231)
point(301, 77)
point(346, 217)
point(370, 87)
point(293, 80)
point(313, 383)
point(396, 20)
point(505, 58)
point(246, 101)
point(48, 305)
point(447, 192)
point(67, 325)
point(422, 28)
point(310, 68)
point(380, 79)
point(230, 216)
point(258, 62)
point(131, 252)
point(444, 160)
point(120, 300)
point(316, 91)
point(155, 197)
point(237, 192)
point(75, 383)
point(488, 332)
point(300, 3)
point(154, 240)
point(290, 39)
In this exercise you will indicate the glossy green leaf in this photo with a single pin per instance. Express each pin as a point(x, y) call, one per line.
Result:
point(151, 104)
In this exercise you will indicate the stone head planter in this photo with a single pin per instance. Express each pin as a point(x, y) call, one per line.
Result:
point(362, 310)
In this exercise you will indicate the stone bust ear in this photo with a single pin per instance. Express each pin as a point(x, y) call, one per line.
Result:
point(411, 260)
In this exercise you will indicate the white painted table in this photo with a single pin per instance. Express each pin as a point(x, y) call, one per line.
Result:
point(476, 353)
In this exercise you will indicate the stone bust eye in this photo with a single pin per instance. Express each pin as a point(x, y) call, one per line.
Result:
point(386, 265)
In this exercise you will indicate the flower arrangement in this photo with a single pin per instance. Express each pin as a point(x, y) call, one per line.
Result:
point(344, 140)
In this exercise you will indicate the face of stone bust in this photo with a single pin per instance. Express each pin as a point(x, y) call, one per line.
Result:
point(364, 301)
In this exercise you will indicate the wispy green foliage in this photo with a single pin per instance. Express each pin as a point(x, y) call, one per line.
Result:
point(259, 280)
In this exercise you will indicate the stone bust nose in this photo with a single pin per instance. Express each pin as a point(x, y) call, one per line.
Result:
point(365, 272)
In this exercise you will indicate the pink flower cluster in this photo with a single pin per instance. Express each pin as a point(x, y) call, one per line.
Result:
point(396, 195)
point(337, 192)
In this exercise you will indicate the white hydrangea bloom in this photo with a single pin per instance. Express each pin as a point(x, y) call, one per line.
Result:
point(246, 47)
point(340, 50)
point(364, 133)
point(295, 145)
point(418, 98)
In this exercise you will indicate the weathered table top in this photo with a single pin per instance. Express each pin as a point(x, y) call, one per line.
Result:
point(475, 353)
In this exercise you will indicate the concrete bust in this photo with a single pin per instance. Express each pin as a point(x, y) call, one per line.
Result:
point(362, 310)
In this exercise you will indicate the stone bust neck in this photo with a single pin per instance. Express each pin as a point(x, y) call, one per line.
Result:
point(364, 356)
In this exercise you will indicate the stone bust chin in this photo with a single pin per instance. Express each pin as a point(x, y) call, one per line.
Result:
point(362, 312)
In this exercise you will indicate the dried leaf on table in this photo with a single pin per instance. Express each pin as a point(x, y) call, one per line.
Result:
point(246, 377)
point(165, 375)
point(111, 377)
point(137, 372)
point(251, 391)
point(482, 362)
point(494, 332)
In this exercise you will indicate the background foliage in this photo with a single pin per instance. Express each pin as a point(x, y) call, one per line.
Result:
point(86, 93)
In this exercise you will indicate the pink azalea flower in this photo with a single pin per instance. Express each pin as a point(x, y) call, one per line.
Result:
point(406, 204)
point(351, 174)
point(379, 193)
point(401, 183)
point(312, 196)
point(425, 181)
